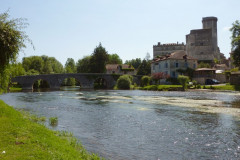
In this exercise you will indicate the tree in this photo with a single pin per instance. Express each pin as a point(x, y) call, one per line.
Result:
point(204, 65)
point(99, 60)
point(124, 82)
point(134, 62)
point(144, 68)
point(114, 59)
point(183, 80)
point(236, 43)
point(83, 65)
point(12, 40)
point(158, 76)
point(42, 64)
point(145, 80)
point(70, 67)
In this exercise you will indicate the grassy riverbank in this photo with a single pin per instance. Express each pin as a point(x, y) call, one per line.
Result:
point(162, 87)
point(21, 138)
point(226, 87)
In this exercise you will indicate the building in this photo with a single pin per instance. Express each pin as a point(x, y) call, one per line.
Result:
point(120, 69)
point(202, 44)
point(170, 64)
point(165, 49)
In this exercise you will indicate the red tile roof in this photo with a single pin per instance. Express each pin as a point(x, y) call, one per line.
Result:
point(174, 55)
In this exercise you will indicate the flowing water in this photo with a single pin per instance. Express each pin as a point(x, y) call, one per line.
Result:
point(143, 125)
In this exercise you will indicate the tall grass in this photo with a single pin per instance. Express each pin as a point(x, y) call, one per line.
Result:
point(22, 138)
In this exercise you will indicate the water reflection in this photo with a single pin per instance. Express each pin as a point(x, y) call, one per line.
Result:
point(143, 124)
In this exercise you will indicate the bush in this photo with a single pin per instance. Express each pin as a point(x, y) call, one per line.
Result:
point(53, 121)
point(173, 81)
point(145, 80)
point(183, 81)
point(124, 82)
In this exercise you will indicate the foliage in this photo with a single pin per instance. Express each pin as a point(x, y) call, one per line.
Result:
point(187, 72)
point(12, 39)
point(22, 138)
point(224, 87)
point(173, 80)
point(98, 60)
point(70, 67)
point(162, 87)
point(145, 80)
point(114, 59)
point(144, 68)
point(42, 64)
point(158, 76)
point(183, 80)
point(236, 43)
point(134, 62)
point(53, 121)
point(83, 65)
point(124, 82)
point(204, 65)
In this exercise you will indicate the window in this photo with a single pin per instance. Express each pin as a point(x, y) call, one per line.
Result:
point(176, 64)
point(173, 74)
point(166, 65)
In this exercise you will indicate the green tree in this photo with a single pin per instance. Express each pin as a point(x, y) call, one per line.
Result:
point(204, 65)
point(134, 62)
point(236, 43)
point(83, 65)
point(114, 59)
point(70, 67)
point(12, 40)
point(183, 80)
point(124, 82)
point(145, 80)
point(144, 68)
point(33, 62)
point(99, 60)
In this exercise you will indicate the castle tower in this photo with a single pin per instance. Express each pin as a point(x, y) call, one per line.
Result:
point(211, 23)
point(202, 44)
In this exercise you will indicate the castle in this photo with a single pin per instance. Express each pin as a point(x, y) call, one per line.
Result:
point(201, 44)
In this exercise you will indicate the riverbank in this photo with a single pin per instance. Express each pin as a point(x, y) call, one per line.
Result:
point(22, 138)
point(226, 87)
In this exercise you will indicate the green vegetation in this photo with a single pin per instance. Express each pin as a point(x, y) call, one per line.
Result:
point(53, 121)
point(124, 82)
point(236, 43)
point(204, 65)
point(12, 40)
point(145, 80)
point(223, 87)
point(134, 62)
point(22, 138)
point(144, 68)
point(162, 87)
point(183, 80)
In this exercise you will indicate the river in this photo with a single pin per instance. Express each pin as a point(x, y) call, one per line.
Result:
point(143, 125)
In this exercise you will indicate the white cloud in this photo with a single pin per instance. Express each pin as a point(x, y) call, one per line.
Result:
point(227, 28)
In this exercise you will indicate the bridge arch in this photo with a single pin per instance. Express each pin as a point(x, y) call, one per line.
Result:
point(40, 83)
point(100, 83)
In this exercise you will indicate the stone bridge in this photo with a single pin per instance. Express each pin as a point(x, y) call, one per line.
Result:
point(55, 80)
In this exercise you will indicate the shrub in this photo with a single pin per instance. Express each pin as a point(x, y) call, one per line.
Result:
point(53, 121)
point(183, 81)
point(124, 82)
point(145, 80)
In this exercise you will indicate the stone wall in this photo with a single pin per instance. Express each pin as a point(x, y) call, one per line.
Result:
point(164, 49)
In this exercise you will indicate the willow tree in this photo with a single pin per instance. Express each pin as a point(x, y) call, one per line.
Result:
point(236, 43)
point(12, 40)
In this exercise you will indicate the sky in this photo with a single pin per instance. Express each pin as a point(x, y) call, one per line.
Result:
point(73, 28)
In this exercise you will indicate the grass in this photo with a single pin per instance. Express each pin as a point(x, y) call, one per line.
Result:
point(224, 87)
point(15, 89)
point(22, 138)
point(162, 87)
point(53, 121)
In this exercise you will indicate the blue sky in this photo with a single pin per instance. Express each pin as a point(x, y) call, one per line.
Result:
point(73, 28)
